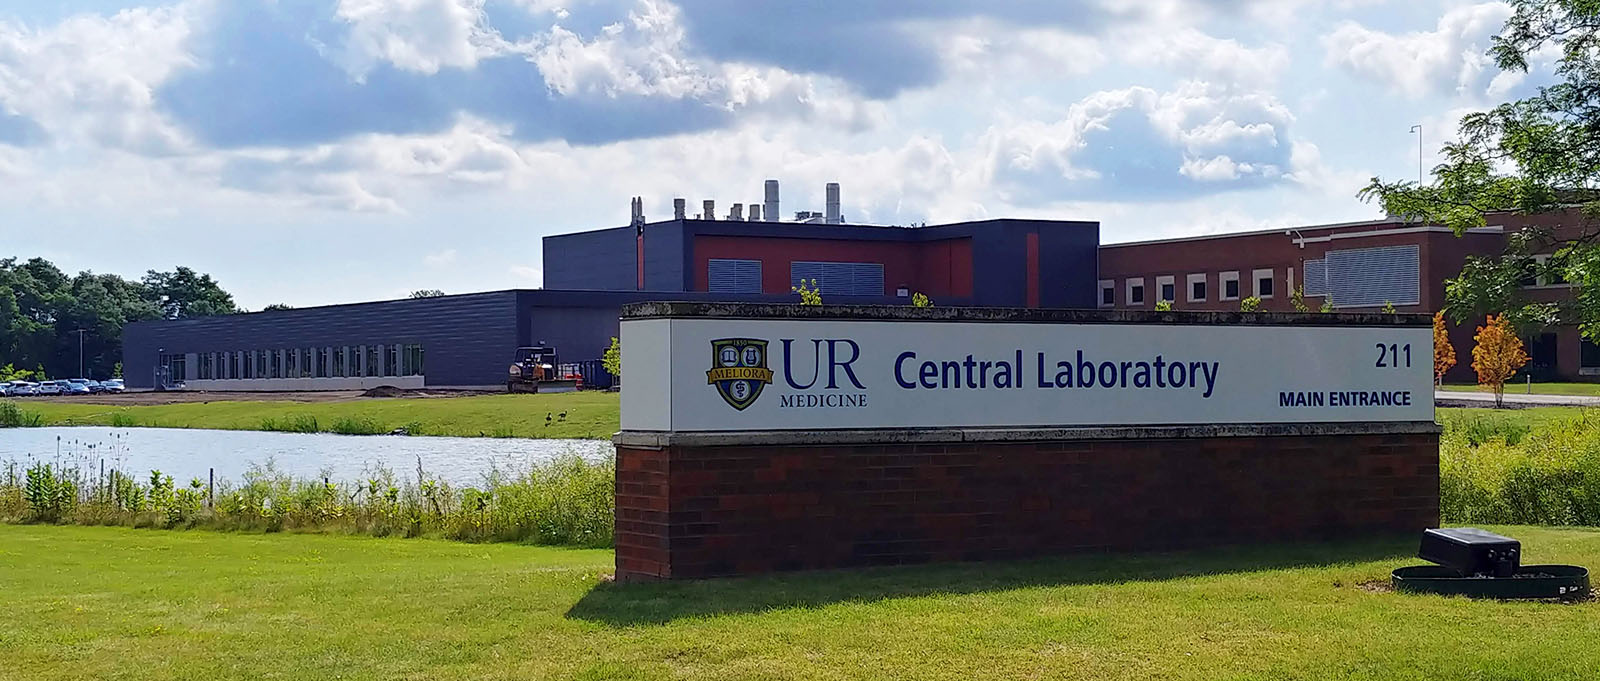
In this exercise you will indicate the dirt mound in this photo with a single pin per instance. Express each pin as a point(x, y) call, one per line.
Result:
point(384, 391)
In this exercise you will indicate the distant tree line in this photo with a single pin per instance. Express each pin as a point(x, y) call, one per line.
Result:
point(42, 311)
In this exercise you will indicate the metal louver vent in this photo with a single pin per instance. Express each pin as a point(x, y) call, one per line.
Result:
point(1374, 276)
point(733, 276)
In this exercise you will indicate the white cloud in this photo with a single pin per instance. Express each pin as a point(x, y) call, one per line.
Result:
point(528, 274)
point(1449, 59)
point(91, 79)
point(1189, 51)
point(416, 35)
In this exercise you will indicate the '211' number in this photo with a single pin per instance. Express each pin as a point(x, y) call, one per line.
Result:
point(1392, 352)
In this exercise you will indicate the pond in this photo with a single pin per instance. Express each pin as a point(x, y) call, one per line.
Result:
point(185, 453)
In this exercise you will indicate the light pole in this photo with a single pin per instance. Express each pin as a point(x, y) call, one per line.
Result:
point(80, 333)
point(1418, 129)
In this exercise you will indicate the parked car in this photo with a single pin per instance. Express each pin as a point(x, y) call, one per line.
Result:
point(74, 386)
point(49, 388)
point(5, 389)
point(114, 385)
point(96, 387)
point(23, 389)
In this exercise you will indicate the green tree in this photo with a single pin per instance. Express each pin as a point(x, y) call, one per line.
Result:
point(920, 299)
point(612, 359)
point(183, 293)
point(1251, 304)
point(277, 306)
point(1533, 155)
point(1163, 306)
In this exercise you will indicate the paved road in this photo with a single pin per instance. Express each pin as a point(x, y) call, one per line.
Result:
point(1453, 398)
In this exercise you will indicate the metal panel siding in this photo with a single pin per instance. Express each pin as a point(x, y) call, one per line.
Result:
point(664, 258)
point(840, 278)
point(1316, 278)
point(467, 339)
point(1374, 276)
point(602, 260)
point(733, 276)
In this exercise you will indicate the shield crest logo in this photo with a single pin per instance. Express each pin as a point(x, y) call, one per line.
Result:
point(739, 370)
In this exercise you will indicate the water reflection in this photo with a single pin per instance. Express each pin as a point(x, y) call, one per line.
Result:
point(185, 453)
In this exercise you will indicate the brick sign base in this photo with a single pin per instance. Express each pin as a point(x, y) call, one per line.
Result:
point(705, 505)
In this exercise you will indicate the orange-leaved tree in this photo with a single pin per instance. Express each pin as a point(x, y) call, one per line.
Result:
point(1444, 355)
point(1498, 355)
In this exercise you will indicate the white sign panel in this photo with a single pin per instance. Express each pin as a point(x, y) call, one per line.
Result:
point(763, 374)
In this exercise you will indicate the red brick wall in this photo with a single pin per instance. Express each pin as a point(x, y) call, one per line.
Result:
point(687, 512)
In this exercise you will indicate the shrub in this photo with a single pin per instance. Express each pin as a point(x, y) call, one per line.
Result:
point(13, 416)
point(354, 426)
point(568, 500)
point(296, 423)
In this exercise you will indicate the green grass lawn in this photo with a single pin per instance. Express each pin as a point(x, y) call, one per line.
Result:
point(590, 414)
point(1519, 388)
point(88, 602)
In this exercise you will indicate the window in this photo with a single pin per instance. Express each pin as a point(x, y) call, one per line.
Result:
point(338, 362)
point(1197, 288)
point(1230, 285)
point(1316, 278)
point(413, 359)
point(391, 360)
point(1589, 359)
point(175, 365)
point(1108, 293)
point(261, 362)
point(1263, 279)
point(203, 371)
point(1370, 277)
point(1540, 275)
point(733, 276)
point(248, 361)
point(840, 278)
point(372, 360)
point(1168, 288)
point(1135, 292)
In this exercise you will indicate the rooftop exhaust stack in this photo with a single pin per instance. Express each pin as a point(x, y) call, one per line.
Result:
point(755, 212)
point(678, 208)
point(637, 204)
point(708, 210)
point(833, 216)
point(736, 212)
point(769, 207)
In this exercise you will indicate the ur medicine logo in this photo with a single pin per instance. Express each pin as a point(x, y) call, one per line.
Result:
point(739, 370)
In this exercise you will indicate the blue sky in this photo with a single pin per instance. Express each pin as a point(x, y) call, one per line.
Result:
point(322, 151)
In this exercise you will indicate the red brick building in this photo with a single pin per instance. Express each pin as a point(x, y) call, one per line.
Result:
point(1353, 267)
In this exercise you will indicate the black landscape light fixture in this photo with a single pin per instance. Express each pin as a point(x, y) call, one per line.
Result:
point(1481, 564)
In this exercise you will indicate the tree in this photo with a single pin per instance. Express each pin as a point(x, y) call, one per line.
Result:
point(919, 299)
point(182, 293)
point(1251, 304)
point(809, 293)
point(277, 306)
point(47, 318)
point(1528, 156)
point(427, 293)
point(1444, 354)
point(612, 359)
point(1163, 306)
point(1497, 356)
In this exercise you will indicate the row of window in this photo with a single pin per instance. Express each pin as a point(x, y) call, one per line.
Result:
point(726, 275)
point(1196, 284)
point(324, 362)
point(1358, 277)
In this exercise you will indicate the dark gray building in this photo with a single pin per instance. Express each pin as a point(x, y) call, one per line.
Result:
point(467, 341)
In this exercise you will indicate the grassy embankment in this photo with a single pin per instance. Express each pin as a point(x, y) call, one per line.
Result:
point(119, 603)
point(589, 415)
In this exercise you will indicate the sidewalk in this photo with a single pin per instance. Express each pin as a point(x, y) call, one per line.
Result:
point(1451, 398)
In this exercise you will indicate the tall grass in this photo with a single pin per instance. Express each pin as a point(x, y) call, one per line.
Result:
point(568, 501)
point(293, 423)
point(13, 416)
point(1501, 472)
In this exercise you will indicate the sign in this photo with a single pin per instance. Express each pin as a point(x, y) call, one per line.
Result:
point(765, 374)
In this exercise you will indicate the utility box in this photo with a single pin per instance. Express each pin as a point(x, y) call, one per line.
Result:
point(1471, 551)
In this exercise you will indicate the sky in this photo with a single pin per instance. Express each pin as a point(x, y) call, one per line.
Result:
point(310, 152)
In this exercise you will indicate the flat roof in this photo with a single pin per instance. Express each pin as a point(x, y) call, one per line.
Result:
point(1281, 231)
